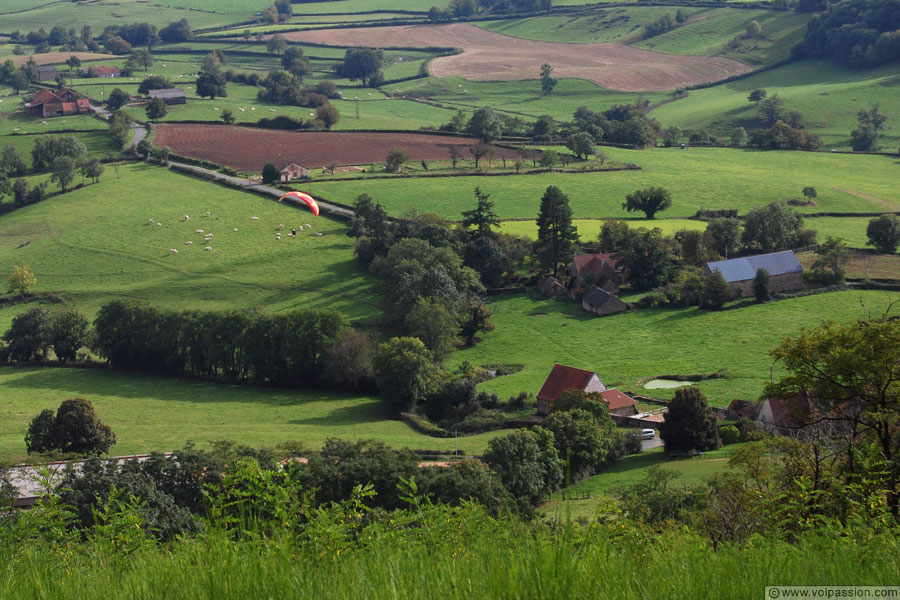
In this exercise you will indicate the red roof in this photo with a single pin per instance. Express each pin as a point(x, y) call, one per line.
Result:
point(592, 264)
point(83, 103)
point(617, 400)
point(44, 97)
point(564, 378)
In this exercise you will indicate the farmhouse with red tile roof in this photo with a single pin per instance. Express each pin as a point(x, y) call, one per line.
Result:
point(564, 378)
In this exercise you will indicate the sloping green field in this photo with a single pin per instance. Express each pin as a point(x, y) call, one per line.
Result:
point(642, 344)
point(829, 96)
point(712, 178)
point(150, 413)
point(95, 244)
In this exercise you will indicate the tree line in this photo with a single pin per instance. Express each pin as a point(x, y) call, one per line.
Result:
point(858, 33)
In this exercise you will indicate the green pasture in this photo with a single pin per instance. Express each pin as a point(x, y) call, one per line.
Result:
point(94, 244)
point(312, 22)
point(520, 98)
point(153, 413)
point(828, 94)
point(358, 6)
point(96, 142)
point(628, 348)
point(614, 24)
point(219, 6)
point(387, 113)
point(712, 178)
point(589, 229)
point(102, 14)
point(720, 31)
point(628, 471)
point(20, 124)
point(851, 229)
point(11, 6)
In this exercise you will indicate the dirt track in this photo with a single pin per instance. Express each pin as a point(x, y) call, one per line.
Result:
point(245, 148)
point(491, 56)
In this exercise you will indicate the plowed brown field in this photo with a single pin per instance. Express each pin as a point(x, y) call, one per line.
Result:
point(491, 56)
point(50, 58)
point(246, 148)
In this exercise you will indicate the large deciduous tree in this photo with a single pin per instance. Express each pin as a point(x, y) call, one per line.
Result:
point(775, 226)
point(405, 372)
point(364, 64)
point(76, 428)
point(689, 424)
point(648, 201)
point(852, 372)
point(884, 233)
point(527, 463)
point(556, 234)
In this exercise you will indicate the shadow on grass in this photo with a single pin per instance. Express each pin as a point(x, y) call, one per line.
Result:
point(347, 415)
point(91, 383)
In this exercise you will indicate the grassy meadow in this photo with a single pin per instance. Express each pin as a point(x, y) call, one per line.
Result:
point(520, 98)
point(632, 347)
point(628, 471)
point(707, 31)
point(94, 244)
point(828, 94)
point(711, 178)
point(152, 413)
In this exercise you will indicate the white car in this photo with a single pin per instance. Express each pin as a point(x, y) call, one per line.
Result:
point(647, 434)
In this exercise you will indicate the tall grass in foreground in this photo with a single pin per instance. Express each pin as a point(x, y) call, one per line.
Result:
point(446, 554)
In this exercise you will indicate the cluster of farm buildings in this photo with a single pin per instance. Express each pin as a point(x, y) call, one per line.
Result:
point(597, 278)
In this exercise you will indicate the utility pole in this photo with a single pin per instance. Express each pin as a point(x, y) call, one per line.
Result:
point(356, 100)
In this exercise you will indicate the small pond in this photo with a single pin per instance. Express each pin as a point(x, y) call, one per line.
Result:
point(663, 384)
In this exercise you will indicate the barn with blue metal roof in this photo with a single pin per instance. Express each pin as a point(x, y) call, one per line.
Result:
point(785, 271)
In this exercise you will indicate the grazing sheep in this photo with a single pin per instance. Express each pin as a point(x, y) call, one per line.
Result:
point(188, 243)
point(187, 218)
point(159, 224)
point(308, 225)
point(208, 248)
point(254, 218)
point(198, 231)
point(235, 228)
point(281, 226)
point(150, 222)
point(208, 213)
point(319, 233)
point(173, 251)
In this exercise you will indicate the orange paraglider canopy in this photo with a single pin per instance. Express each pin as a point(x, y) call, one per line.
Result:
point(313, 206)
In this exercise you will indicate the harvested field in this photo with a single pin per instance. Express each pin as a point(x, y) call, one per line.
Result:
point(245, 148)
point(491, 56)
point(58, 58)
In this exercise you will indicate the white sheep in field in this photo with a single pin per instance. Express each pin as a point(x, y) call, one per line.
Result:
point(208, 248)
point(281, 226)
point(208, 213)
point(319, 233)
point(198, 231)
point(150, 222)
point(173, 251)
point(235, 228)
point(187, 218)
point(254, 218)
point(159, 224)
point(188, 243)
point(308, 225)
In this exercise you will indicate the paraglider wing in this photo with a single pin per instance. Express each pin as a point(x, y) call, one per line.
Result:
point(310, 202)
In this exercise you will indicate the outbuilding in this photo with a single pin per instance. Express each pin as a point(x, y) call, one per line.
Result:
point(170, 95)
point(785, 271)
point(292, 171)
point(601, 302)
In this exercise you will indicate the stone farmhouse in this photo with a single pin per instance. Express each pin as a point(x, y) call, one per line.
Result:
point(599, 270)
point(292, 170)
point(785, 270)
point(57, 103)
